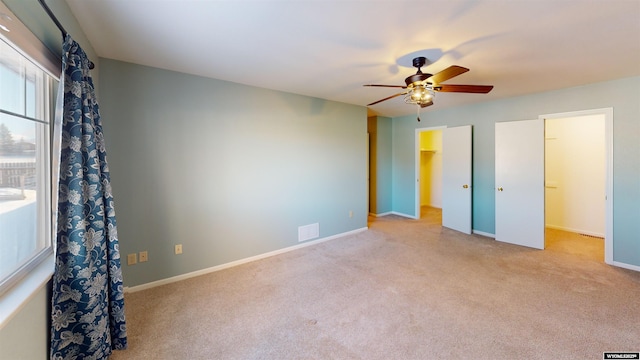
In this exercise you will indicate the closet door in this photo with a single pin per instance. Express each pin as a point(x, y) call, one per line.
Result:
point(456, 178)
point(520, 182)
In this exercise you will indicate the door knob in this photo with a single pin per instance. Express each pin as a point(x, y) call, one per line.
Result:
point(465, 186)
point(500, 189)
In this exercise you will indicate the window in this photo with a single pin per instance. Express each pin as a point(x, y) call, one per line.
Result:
point(27, 94)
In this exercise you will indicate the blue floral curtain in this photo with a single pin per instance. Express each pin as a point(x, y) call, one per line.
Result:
point(87, 315)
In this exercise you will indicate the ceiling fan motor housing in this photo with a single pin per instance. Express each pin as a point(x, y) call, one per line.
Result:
point(416, 77)
point(419, 75)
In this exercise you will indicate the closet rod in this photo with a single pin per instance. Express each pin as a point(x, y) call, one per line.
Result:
point(55, 20)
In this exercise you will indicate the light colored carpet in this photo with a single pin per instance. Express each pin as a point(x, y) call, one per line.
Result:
point(584, 246)
point(404, 289)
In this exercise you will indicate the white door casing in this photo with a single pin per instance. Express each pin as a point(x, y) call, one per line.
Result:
point(519, 180)
point(456, 178)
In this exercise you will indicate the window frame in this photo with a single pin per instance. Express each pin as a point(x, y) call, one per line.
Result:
point(43, 200)
point(39, 270)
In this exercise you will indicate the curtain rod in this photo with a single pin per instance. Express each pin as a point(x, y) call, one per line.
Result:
point(55, 20)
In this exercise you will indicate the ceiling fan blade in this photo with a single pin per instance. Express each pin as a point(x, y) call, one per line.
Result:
point(387, 98)
point(391, 86)
point(446, 74)
point(475, 89)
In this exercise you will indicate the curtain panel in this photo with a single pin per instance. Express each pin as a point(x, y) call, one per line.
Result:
point(87, 315)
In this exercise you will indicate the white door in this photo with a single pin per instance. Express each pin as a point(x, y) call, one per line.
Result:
point(456, 178)
point(520, 182)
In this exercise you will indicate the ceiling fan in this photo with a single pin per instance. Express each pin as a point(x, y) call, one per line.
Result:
point(420, 88)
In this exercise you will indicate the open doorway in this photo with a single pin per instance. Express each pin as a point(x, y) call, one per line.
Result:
point(575, 185)
point(429, 194)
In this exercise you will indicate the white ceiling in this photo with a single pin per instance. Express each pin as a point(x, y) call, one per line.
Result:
point(330, 48)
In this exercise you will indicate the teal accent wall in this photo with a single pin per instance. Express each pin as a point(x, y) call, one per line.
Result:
point(404, 166)
point(228, 171)
point(622, 95)
point(380, 165)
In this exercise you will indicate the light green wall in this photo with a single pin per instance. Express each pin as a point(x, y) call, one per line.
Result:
point(403, 167)
point(227, 170)
point(380, 160)
point(25, 336)
point(622, 95)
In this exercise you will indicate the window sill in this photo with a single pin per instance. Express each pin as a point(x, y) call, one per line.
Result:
point(19, 295)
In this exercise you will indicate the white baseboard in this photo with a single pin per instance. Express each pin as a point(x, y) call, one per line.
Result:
point(173, 279)
point(403, 215)
point(393, 213)
point(381, 214)
point(577, 231)
point(482, 233)
point(626, 266)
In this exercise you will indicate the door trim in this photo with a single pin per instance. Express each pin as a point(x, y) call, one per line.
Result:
point(608, 134)
point(417, 165)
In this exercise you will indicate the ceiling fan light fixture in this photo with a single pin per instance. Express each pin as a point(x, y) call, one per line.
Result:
point(421, 87)
point(419, 95)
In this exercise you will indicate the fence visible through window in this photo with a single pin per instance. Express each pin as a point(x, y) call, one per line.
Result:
point(16, 176)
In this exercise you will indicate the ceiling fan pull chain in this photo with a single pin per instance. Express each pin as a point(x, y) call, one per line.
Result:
point(418, 113)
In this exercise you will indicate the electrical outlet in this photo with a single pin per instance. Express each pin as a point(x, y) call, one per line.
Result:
point(178, 249)
point(132, 259)
point(143, 256)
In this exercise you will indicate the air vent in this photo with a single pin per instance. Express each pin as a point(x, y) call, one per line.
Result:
point(308, 232)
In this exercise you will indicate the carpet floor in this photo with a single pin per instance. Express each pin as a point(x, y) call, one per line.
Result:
point(404, 289)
